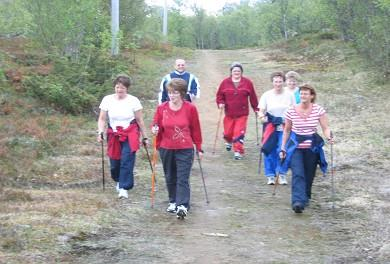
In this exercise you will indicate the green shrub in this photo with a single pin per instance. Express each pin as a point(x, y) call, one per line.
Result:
point(59, 94)
point(329, 35)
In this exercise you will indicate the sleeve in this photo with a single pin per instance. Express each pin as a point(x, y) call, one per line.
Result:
point(104, 104)
point(196, 132)
point(163, 94)
point(263, 102)
point(253, 97)
point(157, 120)
point(137, 104)
point(287, 114)
point(220, 99)
point(321, 111)
point(195, 87)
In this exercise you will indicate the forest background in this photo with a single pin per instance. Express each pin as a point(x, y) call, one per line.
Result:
point(73, 38)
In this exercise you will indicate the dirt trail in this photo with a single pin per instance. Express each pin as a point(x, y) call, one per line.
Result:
point(243, 223)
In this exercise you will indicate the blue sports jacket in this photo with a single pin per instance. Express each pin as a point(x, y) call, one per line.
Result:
point(316, 146)
point(193, 89)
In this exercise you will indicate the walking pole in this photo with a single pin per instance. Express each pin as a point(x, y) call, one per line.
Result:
point(147, 154)
point(260, 153)
point(260, 161)
point(201, 173)
point(332, 170)
point(257, 129)
point(153, 163)
point(102, 137)
point(277, 177)
point(216, 134)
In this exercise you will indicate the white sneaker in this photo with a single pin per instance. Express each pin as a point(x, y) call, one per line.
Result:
point(181, 212)
point(271, 181)
point(171, 208)
point(282, 180)
point(237, 156)
point(123, 194)
point(117, 187)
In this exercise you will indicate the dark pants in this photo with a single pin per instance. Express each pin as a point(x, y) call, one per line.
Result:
point(122, 170)
point(303, 166)
point(177, 165)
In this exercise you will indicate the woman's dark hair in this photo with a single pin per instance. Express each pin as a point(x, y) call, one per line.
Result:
point(122, 79)
point(277, 74)
point(307, 87)
point(236, 64)
point(177, 84)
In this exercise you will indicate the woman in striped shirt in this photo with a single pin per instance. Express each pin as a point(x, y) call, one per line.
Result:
point(302, 146)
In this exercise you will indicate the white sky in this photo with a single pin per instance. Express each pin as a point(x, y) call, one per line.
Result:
point(212, 6)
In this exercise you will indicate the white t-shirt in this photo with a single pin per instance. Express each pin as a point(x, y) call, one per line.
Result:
point(120, 112)
point(276, 104)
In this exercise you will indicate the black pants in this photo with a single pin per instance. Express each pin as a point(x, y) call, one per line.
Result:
point(177, 165)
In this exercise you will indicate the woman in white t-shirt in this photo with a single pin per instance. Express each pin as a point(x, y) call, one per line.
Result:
point(272, 105)
point(125, 124)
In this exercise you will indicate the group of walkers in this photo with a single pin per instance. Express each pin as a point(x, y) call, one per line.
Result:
point(289, 118)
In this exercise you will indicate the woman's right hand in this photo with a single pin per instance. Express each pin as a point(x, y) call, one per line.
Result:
point(155, 129)
point(100, 137)
point(282, 154)
point(262, 117)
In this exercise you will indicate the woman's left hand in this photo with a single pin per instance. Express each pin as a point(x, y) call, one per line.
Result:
point(145, 142)
point(200, 155)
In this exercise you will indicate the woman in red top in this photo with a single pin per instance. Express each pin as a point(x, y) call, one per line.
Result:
point(177, 126)
point(232, 95)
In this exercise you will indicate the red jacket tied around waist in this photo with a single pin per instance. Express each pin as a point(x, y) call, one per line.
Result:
point(130, 134)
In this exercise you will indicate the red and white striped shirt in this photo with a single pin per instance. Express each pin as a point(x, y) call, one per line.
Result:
point(305, 125)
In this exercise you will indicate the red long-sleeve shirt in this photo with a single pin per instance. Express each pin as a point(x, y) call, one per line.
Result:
point(236, 99)
point(178, 129)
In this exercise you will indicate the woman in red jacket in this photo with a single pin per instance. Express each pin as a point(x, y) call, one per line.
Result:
point(177, 126)
point(232, 95)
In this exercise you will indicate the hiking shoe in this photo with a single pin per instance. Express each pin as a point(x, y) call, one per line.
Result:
point(123, 194)
point(181, 212)
point(172, 208)
point(237, 156)
point(228, 146)
point(282, 179)
point(271, 181)
point(117, 187)
point(298, 208)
